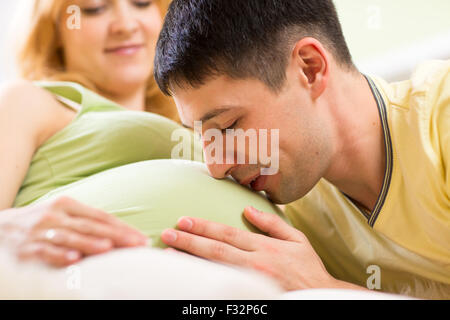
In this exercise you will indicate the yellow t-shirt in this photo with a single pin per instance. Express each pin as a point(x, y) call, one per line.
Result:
point(407, 235)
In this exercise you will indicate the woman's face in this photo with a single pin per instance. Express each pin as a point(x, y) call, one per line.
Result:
point(114, 45)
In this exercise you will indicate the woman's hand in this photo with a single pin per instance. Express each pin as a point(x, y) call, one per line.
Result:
point(63, 231)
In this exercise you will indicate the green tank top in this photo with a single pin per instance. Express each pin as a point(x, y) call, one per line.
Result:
point(102, 136)
point(119, 161)
point(152, 195)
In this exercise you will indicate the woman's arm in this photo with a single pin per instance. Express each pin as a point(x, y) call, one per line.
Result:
point(29, 116)
point(60, 232)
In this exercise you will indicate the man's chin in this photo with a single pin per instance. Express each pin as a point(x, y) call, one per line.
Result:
point(274, 198)
point(281, 197)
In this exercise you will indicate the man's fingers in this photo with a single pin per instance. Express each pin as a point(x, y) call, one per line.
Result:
point(204, 247)
point(49, 253)
point(74, 241)
point(238, 238)
point(272, 224)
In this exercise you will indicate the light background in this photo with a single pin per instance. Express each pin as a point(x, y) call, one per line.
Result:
point(386, 37)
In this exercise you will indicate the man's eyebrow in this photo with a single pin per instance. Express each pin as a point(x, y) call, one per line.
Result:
point(209, 115)
point(213, 113)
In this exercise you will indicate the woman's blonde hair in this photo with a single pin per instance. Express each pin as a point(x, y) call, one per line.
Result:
point(41, 58)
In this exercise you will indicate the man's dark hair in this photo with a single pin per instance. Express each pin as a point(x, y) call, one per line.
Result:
point(242, 39)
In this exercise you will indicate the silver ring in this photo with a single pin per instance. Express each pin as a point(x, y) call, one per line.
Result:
point(50, 234)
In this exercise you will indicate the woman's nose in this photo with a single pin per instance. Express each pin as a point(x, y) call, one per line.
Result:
point(124, 23)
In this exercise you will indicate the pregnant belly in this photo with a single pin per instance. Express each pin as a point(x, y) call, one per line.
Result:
point(152, 195)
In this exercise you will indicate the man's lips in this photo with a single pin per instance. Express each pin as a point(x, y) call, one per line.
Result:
point(256, 182)
point(249, 180)
point(259, 184)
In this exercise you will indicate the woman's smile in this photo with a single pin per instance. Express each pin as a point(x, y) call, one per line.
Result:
point(124, 50)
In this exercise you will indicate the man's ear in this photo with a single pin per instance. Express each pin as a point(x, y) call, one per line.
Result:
point(312, 61)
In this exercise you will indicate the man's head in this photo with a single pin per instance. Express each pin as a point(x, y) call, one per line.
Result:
point(267, 62)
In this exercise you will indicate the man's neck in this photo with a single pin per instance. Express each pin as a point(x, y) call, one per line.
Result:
point(358, 163)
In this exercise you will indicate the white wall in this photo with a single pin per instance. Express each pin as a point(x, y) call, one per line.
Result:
point(386, 37)
point(8, 10)
point(390, 37)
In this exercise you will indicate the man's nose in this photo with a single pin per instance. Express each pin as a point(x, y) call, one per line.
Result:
point(217, 163)
point(219, 171)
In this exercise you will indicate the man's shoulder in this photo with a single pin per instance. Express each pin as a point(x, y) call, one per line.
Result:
point(432, 80)
point(428, 82)
point(430, 75)
point(420, 106)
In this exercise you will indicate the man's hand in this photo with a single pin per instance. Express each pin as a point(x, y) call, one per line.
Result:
point(285, 255)
point(63, 231)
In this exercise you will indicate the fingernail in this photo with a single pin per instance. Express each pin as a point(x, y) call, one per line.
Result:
point(72, 255)
point(169, 236)
point(185, 223)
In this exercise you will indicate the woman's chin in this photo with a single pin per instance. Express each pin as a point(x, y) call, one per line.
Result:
point(127, 80)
